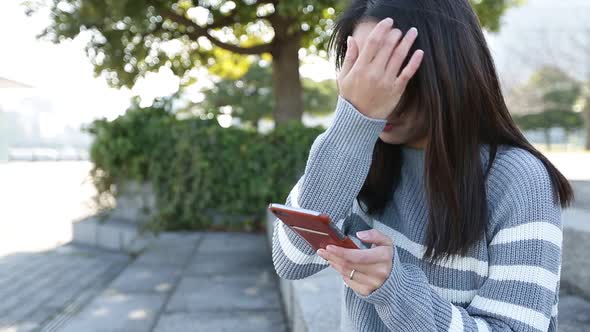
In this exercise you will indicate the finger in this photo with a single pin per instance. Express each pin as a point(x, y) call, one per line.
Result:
point(402, 81)
point(358, 256)
point(357, 286)
point(374, 40)
point(358, 276)
point(401, 52)
point(345, 263)
point(352, 53)
point(376, 237)
point(384, 53)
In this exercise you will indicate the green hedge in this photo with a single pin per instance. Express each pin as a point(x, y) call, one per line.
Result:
point(204, 176)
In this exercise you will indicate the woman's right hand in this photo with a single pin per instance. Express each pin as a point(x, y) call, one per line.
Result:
point(368, 79)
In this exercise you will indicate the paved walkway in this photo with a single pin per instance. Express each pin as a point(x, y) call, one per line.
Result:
point(40, 289)
point(182, 282)
point(187, 282)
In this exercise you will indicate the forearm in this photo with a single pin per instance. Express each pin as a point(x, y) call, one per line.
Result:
point(337, 166)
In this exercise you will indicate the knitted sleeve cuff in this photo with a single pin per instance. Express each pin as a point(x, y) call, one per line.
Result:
point(352, 132)
point(392, 286)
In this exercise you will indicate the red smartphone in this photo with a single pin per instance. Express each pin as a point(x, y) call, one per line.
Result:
point(314, 227)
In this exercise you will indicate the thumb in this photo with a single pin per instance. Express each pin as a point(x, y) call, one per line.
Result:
point(352, 53)
point(376, 237)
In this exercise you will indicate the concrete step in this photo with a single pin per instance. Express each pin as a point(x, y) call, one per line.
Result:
point(112, 234)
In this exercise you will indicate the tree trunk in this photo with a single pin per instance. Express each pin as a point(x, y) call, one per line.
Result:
point(288, 90)
point(587, 118)
point(548, 138)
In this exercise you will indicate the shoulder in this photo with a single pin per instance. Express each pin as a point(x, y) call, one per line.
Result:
point(513, 164)
point(519, 188)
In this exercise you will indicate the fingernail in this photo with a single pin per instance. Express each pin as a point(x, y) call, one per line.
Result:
point(362, 234)
point(388, 19)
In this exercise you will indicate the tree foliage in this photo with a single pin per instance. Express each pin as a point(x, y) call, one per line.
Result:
point(548, 100)
point(129, 38)
point(250, 97)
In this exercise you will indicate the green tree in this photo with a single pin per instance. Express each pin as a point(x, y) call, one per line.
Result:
point(128, 38)
point(548, 100)
point(250, 97)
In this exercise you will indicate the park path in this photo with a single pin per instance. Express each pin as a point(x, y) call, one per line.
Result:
point(43, 288)
point(191, 282)
point(181, 282)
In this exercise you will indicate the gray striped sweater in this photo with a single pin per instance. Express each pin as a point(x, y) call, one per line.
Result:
point(508, 281)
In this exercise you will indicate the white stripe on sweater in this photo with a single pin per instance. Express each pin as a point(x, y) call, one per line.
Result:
point(461, 263)
point(417, 250)
point(292, 252)
point(294, 195)
point(482, 325)
point(456, 320)
point(525, 273)
point(455, 295)
point(537, 230)
point(519, 313)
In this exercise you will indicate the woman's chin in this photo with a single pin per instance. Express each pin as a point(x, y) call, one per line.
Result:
point(390, 138)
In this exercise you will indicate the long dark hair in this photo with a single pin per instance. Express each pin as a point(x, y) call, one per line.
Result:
point(456, 91)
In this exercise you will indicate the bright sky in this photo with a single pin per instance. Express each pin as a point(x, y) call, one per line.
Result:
point(63, 75)
point(59, 73)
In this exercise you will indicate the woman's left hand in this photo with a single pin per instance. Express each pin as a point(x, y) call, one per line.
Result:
point(372, 266)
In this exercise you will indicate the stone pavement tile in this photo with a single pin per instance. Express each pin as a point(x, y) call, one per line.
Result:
point(114, 312)
point(27, 290)
point(30, 300)
point(229, 262)
point(30, 278)
point(146, 278)
point(574, 314)
point(21, 262)
point(167, 256)
point(173, 241)
point(175, 238)
point(234, 242)
point(206, 321)
point(80, 278)
point(93, 276)
point(167, 252)
point(32, 322)
point(249, 291)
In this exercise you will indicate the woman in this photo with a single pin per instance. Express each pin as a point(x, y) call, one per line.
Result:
point(461, 213)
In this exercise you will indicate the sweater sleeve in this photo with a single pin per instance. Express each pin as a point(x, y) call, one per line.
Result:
point(336, 169)
point(521, 290)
